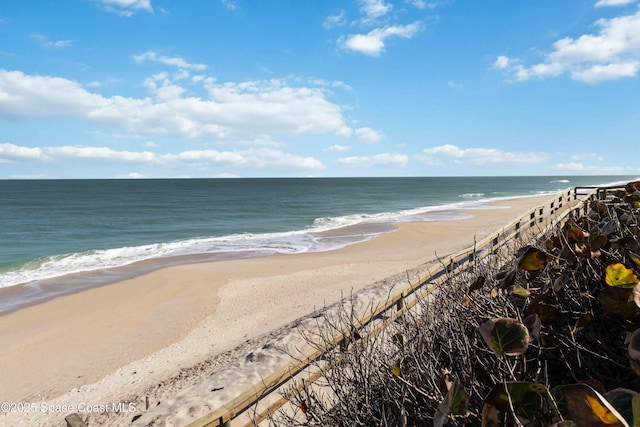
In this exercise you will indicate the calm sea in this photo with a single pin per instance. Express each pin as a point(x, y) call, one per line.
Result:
point(51, 229)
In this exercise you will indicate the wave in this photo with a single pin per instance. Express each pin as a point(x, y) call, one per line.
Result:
point(312, 239)
point(472, 195)
point(562, 181)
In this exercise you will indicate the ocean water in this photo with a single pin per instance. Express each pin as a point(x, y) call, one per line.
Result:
point(87, 229)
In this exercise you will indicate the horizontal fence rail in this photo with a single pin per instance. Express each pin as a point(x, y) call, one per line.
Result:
point(573, 201)
point(570, 202)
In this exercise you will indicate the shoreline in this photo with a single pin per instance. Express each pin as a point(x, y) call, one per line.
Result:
point(22, 295)
point(114, 341)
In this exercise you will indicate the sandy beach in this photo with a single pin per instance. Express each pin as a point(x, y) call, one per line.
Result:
point(151, 336)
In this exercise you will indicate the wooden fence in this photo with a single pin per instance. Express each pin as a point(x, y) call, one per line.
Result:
point(573, 201)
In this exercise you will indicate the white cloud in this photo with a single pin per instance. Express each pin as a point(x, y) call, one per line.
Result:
point(44, 41)
point(338, 148)
point(602, 3)
point(502, 62)
point(373, 9)
point(455, 85)
point(229, 4)
point(612, 53)
point(252, 158)
point(478, 156)
point(332, 21)
point(175, 61)
point(421, 4)
point(377, 160)
point(233, 111)
point(11, 152)
point(368, 135)
point(373, 43)
point(589, 156)
point(599, 73)
point(581, 169)
point(125, 7)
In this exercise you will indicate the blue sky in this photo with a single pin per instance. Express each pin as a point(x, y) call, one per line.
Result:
point(297, 88)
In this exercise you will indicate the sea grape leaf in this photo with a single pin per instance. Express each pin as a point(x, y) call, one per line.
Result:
point(548, 313)
point(575, 234)
point(455, 402)
point(635, 258)
point(563, 279)
point(587, 407)
point(533, 324)
point(632, 187)
point(608, 227)
point(618, 302)
point(634, 351)
point(620, 276)
point(507, 277)
point(599, 208)
point(583, 322)
point(597, 242)
point(395, 368)
point(525, 398)
point(532, 259)
point(445, 382)
point(505, 336)
point(635, 406)
point(490, 416)
point(620, 398)
point(477, 284)
point(518, 291)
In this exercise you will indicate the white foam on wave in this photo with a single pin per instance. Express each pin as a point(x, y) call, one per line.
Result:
point(291, 242)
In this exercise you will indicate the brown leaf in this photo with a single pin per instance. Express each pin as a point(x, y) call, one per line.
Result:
point(547, 313)
point(533, 324)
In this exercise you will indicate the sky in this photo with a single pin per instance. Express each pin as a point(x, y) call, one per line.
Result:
point(318, 88)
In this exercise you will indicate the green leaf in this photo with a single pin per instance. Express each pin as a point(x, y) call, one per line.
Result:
point(454, 402)
point(525, 398)
point(620, 398)
point(635, 406)
point(597, 242)
point(518, 291)
point(587, 407)
point(532, 259)
point(619, 276)
point(505, 336)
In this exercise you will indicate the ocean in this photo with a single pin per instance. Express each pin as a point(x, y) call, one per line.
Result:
point(80, 233)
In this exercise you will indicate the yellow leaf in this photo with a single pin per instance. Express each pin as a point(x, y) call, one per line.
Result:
point(618, 275)
point(395, 369)
point(601, 411)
